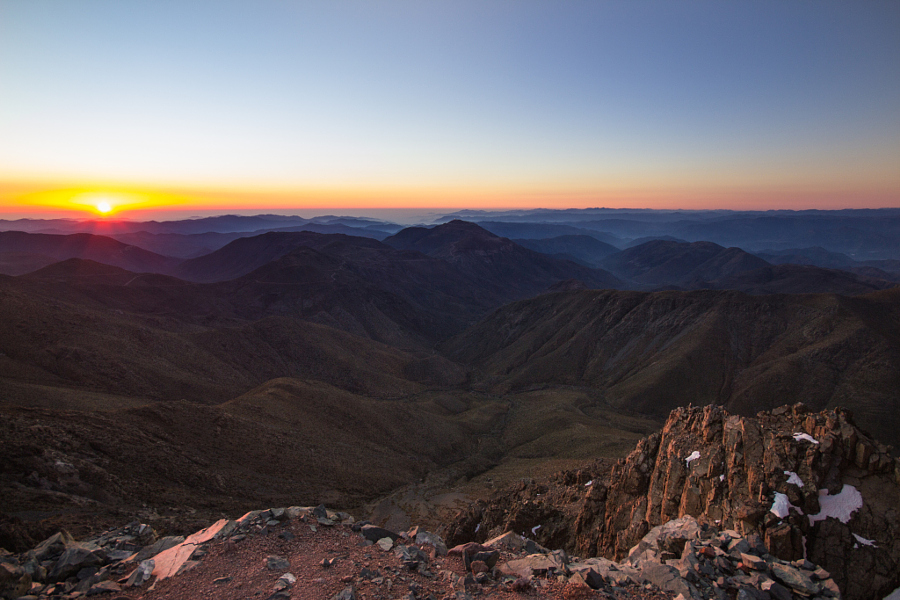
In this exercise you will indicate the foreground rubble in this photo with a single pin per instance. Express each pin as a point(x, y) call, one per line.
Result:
point(792, 505)
point(309, 552)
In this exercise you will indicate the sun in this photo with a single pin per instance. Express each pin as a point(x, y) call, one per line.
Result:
point(104, 207)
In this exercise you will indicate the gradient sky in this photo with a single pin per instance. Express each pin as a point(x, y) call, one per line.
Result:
point(272, 104)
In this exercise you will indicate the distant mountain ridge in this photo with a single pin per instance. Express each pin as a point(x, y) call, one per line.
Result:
point(663, 262)
point(584, 249)
point(475, 250)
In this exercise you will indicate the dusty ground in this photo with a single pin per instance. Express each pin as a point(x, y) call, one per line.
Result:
point(236, 570)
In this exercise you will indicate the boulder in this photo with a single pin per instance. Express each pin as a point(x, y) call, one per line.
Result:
point(14, 581)
point(373, 533)
point(54, 546)
point(432, 539)
point(73, 560)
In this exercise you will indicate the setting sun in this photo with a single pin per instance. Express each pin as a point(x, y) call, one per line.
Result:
point(104, 207)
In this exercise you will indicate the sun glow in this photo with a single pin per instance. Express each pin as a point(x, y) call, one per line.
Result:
point(103, 201)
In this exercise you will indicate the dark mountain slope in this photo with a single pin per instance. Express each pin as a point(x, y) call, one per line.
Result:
point(817, 256)
point(362, 286)
point(651, 352)
point(580, 248)
point(242, 256)
point(799, 279)
point(19, 263)
point(65, 337)
point(662, 262)
point(519, 271)
point(85, 245)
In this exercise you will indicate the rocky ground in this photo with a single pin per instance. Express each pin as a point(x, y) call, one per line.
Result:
point(789, 505)
point(810, 485)
point(302, 553)
point(295, 552)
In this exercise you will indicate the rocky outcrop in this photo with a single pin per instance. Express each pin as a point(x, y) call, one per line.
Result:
point(811, 486)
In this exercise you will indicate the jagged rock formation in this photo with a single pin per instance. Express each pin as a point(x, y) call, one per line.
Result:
point(811, 485)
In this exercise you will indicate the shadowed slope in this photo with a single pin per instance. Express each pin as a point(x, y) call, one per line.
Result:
point(663, 262)
point(801, 279)
point(517, 271)
point(85, 245)
point(69, 337)
point(583, 249)
point(651, 352)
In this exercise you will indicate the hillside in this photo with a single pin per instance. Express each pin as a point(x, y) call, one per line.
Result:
point(483, 255)
point(801, 279)
point(663, 262)
point(652, 352)
point(158, 342)
point(98, 248)
point(584, 249)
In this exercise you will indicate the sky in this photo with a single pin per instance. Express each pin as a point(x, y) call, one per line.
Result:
point(145, 107)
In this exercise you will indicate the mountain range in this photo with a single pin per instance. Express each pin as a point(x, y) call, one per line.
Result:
point(448, 354)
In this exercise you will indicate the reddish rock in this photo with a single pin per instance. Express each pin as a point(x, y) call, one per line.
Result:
point(742, 465)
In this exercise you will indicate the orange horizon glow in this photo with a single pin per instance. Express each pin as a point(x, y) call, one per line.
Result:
point(107, 201)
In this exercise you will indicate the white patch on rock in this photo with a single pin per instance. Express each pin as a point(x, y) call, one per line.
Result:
point(805, 436)
point(781, 507)
point(694, 456)
point(864, 541)
point(722, 477)
point(794, 478)
point(840, 506)
point(534, 529)
point(589, 483)
point(477, 527)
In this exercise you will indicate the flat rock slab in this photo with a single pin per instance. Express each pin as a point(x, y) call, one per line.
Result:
point(794, 579)
point(168, 562)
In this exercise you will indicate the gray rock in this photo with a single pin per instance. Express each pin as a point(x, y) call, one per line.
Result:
point(668, 578)
point(141, 574)
point(776, 590)
point(277, 563)
point(425, 537)
point(794, 579)
point(385, 543)
point(14, 581)
point(532, 547)
point(411, 556)
point(158, 546)
point(537, 564)
point(489, 558)
point(285, 581)
point(508, 541)
point(754, 562)
point(73, 560)
point(34, 568)
point(348, 593)
point(374, 533)
point(53, 546)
